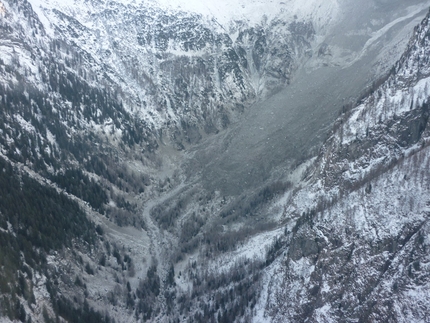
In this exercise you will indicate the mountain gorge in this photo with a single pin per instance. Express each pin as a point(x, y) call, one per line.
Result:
point(177, 162)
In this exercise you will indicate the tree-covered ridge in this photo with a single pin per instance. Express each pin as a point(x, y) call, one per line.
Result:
point(34, 220)
point(72, 123)
point(38, 214)
point(78, 184)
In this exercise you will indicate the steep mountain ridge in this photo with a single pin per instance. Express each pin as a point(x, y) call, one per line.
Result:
point(358, 251)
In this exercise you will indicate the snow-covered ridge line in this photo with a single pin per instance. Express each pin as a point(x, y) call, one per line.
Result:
point(405, 89)
point(390, 124)
point(224, 12)
point(359, 249)
point(392, 119)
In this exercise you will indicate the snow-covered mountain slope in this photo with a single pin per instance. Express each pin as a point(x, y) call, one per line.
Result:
point(364, 258)
point(357, 251)
point(172, 66)
point(225, 13)
point(254, 12)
